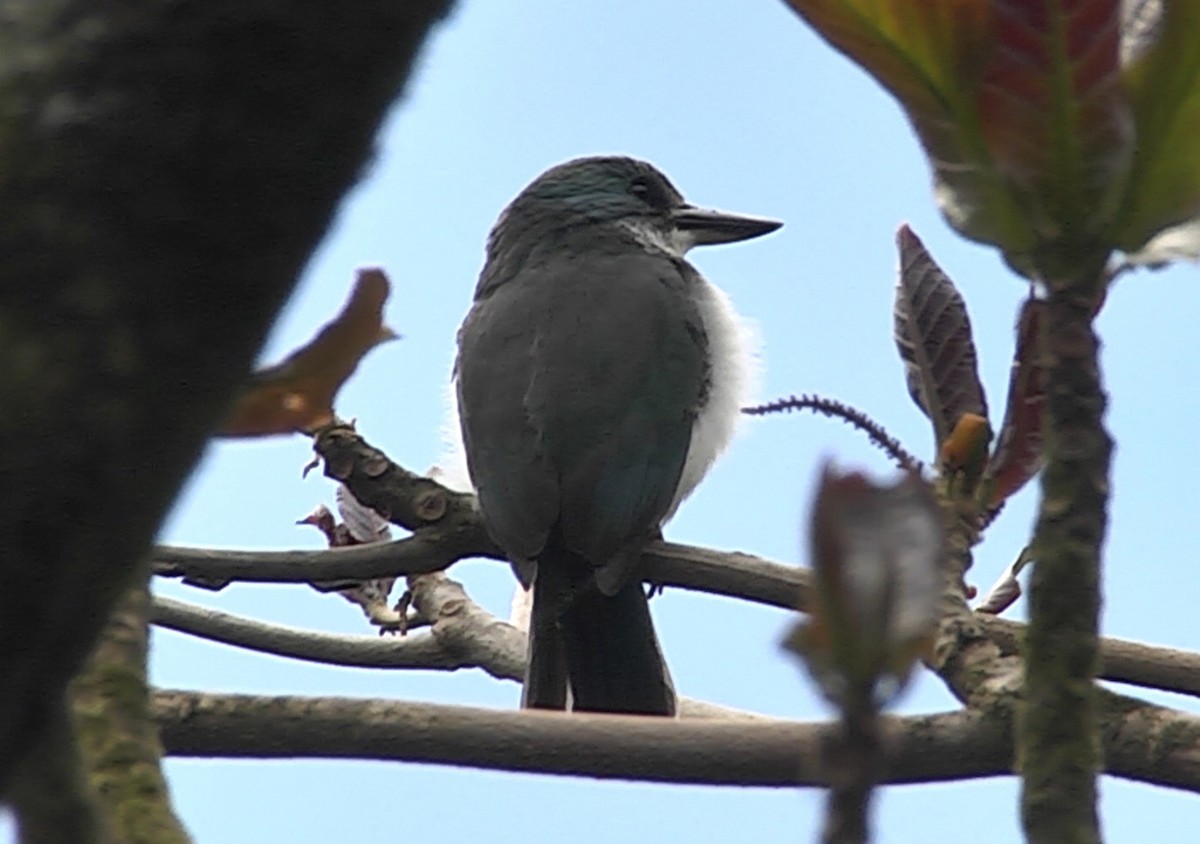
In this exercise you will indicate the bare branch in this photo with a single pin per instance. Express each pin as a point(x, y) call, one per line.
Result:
point(1122, 660)
point(1142, 742)
point(422, 553)
point(730, 573)
point(415, 651)
point(463, 635)
point(980, 668)
point(763, 753)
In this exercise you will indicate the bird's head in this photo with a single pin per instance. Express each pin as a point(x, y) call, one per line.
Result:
point(614, 190)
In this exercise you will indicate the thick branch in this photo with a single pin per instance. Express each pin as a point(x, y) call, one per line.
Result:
point(765, 753)
point(166, 170)
point(120, 747)
point(1142, 742)
point(52, 798)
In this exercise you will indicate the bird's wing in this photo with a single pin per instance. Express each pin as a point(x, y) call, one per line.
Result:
point(513, 479)
point(578, 386)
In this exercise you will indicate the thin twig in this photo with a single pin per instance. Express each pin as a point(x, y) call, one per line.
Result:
point(875, 432)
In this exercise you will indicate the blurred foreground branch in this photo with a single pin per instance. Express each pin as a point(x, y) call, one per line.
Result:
point(158, 208)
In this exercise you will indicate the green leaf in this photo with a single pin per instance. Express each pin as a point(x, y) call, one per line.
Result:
point(1018, 103)
point(1054, 115)
point(931, 56)
point(1163, 85)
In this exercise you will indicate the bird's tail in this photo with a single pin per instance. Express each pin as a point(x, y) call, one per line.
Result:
point(603, 648)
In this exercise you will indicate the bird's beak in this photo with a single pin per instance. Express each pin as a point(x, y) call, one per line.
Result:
point(706, 226)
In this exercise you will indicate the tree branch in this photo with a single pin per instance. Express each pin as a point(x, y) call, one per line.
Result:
point(730, 573)
point(414, 651)
point(51, 797)
point(421, 553)
point(1121, 660)
point(930, 748)
point(973, 653)
point(462, 635)
point(146, 185)
point(1142, 742)
point(121, 751)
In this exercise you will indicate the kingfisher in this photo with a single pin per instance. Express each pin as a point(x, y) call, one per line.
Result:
point(598, 377)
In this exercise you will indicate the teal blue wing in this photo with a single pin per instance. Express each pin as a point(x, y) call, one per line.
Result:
point(578, 391)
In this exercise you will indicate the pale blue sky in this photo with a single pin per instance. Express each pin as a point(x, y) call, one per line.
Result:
point(746, 110)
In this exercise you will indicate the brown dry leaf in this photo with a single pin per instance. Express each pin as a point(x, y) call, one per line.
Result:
point(298, 394)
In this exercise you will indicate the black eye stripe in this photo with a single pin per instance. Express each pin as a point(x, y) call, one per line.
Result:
point(649, 192)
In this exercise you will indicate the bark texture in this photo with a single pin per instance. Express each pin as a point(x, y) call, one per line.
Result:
point(165, 170)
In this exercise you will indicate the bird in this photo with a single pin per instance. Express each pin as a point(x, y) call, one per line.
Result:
point(598, 377)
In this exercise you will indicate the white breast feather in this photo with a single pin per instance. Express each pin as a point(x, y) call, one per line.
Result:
point(732, 347)
point(451, 468)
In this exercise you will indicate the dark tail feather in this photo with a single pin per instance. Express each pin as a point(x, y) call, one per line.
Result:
point(602, 647)
point(546, 668)
point(612, 655)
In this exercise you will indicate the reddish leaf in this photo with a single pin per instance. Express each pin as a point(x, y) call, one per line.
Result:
point(931, 55)
point(298, 394)
point(933, 335)
point(1053, 111)
point(323, 520)
point(1019, 104)
point(1019, 449)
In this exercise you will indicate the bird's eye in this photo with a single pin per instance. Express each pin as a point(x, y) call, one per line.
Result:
point(641, 189)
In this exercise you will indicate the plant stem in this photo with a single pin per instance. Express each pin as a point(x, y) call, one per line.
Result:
point(853, 757)
point(1057, 739)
